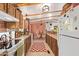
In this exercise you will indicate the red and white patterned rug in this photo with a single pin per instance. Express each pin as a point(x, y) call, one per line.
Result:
point(38, 47)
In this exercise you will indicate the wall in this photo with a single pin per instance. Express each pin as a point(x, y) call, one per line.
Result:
point(37, 28)
point(49, 27)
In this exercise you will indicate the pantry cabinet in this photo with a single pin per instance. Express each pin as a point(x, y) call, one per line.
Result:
point(52, 43)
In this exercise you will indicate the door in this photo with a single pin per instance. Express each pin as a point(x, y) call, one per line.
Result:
point(68, 46)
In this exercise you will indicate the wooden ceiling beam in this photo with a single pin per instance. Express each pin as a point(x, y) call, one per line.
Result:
point(26, 4)
point(43, 13)
point(45, 17)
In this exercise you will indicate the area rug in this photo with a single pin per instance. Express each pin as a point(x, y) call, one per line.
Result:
point(38, 47)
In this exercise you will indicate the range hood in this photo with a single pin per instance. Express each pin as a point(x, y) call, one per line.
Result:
point(6, 17)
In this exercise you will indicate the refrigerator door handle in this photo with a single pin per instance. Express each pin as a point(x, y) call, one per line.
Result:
point(69, 36)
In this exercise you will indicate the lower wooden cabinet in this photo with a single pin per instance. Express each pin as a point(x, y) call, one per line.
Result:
point(27, 44)
point(20, 51)
point(54, 46)
point(52, 43)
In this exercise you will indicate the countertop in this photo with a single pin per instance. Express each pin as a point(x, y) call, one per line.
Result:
point(24, 36)
point(52, 34)
point(15, 47)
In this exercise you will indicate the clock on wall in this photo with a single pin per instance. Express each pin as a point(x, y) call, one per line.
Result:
point(45, 8)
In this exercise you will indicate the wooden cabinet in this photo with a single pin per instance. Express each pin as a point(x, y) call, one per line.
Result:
point(11, 10)
point(20, 17)
point(17, 14)
point(48, 40)
point(20, 51)
point(2, 6)
point(27, 44)
point(2, 26)
point(54, 46)
point(66, 7)
point(52, 43)
point(11, 25)
point(21, 21)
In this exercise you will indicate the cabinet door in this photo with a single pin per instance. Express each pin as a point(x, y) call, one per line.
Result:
point(11, 25)
point(21, 21)
point(17, 14)
point(25, 47)
point(27, 44)
point(2, 6)
point(54, 46)
point(48, 39)
point(2, 26)
point(14, 10)
point(11, 10)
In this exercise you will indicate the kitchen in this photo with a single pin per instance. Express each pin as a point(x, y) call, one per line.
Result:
point(37, 29)
point(12, 31)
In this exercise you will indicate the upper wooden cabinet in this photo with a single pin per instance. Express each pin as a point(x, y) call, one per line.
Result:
point(21, 21)
point(13, 13)
point(3, 7)
point(66, 7)
point(17, 14)
point(20, 17)
point(11, 10)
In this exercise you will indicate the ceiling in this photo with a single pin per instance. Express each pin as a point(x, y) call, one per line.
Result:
point(34, 10)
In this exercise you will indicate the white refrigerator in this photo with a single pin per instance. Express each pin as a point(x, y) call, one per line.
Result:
point(68, 36)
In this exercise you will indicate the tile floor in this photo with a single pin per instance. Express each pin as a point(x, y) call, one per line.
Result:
point(39, 48)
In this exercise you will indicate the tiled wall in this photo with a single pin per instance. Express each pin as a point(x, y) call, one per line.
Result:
point(2, 26)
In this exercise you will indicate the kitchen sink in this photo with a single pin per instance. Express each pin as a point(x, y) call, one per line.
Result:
point(10, 48)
